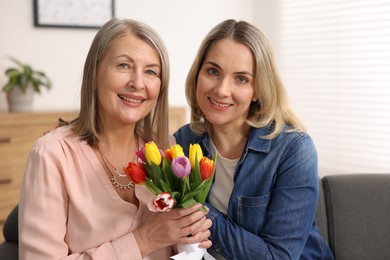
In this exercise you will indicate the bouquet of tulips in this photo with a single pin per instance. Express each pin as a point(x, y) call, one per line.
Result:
point(176, 180)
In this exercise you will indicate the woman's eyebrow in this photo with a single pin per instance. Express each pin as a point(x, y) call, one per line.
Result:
point(244, 72)
point(214, 64)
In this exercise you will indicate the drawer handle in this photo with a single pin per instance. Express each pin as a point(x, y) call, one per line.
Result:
point(5, 181)
point(5, 140)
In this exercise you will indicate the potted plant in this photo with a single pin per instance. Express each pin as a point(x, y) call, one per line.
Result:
point(23, 82)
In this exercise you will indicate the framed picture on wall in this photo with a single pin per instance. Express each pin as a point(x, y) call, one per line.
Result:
point(72, 13)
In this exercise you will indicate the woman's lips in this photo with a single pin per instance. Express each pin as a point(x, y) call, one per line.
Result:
point(219, 104)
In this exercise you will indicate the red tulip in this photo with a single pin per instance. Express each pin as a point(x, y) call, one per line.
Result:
point(206, 168)
point(168, 154)
point(136, 172)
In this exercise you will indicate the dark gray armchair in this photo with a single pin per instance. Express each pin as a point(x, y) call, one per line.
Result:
point(354, 215)
point(9, 248)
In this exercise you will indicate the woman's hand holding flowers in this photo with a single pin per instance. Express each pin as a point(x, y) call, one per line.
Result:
point(182, 225)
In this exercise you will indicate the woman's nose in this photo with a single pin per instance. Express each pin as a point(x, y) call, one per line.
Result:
point(136, 80)
point(223, 87)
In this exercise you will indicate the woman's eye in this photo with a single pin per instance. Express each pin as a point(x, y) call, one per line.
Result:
point(123, 66)
point(212, 72)
point(242, 80)
point(151, 72)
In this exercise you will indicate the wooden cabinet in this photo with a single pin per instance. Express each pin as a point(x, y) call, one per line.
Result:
point(18, 132)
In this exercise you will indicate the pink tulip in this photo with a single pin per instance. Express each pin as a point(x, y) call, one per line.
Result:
point(181, 166)
point(141, 154)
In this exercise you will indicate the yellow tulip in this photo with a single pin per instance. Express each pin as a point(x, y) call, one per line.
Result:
point(195, 151)
point(152, 153)
point(177, 151)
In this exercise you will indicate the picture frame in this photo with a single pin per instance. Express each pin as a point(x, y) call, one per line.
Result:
point(72, 13)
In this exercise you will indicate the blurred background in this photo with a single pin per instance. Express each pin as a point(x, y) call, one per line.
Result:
point(333, 55)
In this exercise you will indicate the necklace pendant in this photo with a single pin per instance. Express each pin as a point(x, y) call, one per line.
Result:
point(120, 175)
point(121, 186)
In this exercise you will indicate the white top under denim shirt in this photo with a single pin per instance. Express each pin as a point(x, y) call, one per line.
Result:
point(223, 182)
point(272, 205)
point(223, 185)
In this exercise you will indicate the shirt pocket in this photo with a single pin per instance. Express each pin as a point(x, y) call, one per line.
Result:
point(251, 212)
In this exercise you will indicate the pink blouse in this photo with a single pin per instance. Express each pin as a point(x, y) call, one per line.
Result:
point(70, 210)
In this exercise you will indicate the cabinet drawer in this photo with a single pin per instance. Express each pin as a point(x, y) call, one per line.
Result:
point(17, 143)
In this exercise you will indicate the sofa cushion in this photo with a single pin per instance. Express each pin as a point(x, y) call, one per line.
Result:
point(358, 215)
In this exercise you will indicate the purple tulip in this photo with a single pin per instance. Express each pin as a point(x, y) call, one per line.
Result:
point(181, 166)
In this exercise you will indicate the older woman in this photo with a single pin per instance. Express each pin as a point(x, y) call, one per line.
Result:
point(76, 202)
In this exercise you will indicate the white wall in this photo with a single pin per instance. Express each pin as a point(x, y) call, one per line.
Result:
point(61, 52)
point(58, 52)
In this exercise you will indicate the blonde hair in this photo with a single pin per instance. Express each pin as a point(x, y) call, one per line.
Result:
point(154, 126)
point(272, 105)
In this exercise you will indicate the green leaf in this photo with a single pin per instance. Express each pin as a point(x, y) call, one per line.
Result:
point(176, 195)
point(8, 86)
point(195, 177)
point(187, 183)
point(27, 71)
point(164, 186)
point(35, 84)
point(40, 74)
point(194, 192)
point(154, 172)
point(12, 72)
point(156, 190)
point(166, 167)
point(23, 82)
point(201, 197)
point(188, 203)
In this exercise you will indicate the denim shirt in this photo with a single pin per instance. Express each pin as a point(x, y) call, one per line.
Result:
point(272, 207)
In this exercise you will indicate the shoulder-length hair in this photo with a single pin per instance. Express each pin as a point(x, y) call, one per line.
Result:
point(272, 105)
point(155, 125)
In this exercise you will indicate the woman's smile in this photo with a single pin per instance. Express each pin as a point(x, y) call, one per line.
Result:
point(219, 105)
